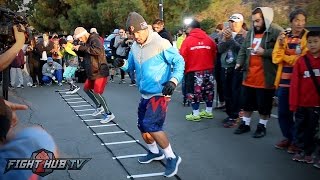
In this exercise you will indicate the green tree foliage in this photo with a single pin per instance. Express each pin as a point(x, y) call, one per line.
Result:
point(313, 13)
point(105, 15)
point(13, 5)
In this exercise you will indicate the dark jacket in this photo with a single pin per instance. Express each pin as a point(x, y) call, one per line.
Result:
point(234, 44)
point(94, 58)
point(268, 41)
point(165, 34)
point(18, 61)
point(40, 48)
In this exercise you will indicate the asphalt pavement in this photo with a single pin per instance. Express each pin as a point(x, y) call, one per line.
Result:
point(208, 150)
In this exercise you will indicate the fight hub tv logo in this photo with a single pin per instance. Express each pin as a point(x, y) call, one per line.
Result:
point(43, 162)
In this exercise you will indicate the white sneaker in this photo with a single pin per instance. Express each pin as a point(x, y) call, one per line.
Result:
point(98, 111)
point(72, 91)
point(29, 84)
point(107, 118)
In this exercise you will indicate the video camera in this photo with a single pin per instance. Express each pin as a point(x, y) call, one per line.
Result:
point(8, 19)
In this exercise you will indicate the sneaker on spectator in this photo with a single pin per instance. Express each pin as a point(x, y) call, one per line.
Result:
point(132, 84)
point(222, 105)
point(292, 149)
point(34, 85)
point(98, 111)
point(283, 144)
point(242, 128)
point(29, 84)
point(48, 84)
point(107, 118)
point(191, 117)
point(317, 164)
point(122, 81)
point(205, 114)
point(231, 123)
point(10, 86)
point(60, 84)
point(301, 157)
point(151, 157)
point(260, 132)
point(172, 165)
point(20, 86)
point(225, 120)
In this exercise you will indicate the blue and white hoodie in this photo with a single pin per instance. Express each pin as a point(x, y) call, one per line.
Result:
point(152, 62)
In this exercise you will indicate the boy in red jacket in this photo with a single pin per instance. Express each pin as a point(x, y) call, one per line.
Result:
point(305, 97)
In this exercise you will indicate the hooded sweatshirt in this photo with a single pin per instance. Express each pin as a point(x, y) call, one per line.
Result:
point(267, 43)
point(303, 92)
point(199, 51)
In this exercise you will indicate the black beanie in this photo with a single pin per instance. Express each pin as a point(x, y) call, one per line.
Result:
point(135, 22)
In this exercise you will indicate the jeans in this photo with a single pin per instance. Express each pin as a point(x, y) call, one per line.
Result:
point(232, 80)
point(57, 74)
point(285, 116)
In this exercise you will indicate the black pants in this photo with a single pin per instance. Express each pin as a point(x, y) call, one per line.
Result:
point(232, 90)
point(35, 70)
point(309, 118)
point(40, 73)
point(218, 77)
point(122, 72)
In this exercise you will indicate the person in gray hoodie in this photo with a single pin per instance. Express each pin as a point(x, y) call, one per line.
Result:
point(255, 58)
point(52, 71)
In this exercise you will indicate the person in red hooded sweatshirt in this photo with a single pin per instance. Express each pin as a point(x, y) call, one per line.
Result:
point(304, 97)
point(199, 52)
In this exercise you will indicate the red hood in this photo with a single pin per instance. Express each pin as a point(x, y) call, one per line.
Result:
point(198, 33)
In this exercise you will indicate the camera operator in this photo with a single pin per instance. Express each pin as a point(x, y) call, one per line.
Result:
point(14, 142)
point(7, 57)
point(17, 142)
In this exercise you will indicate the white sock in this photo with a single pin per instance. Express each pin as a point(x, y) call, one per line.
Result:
point(246, 120)
point(168, 152)
point(153, 147)
point(264, 122)
point(195, 112)
point(209, 109)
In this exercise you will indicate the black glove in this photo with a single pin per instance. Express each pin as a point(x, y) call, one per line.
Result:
point(118, 62)
point(168, 88)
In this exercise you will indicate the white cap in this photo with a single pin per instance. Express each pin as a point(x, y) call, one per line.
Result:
point(236, 18)
point(115, 31)
point(69, 38)
point(93, 30)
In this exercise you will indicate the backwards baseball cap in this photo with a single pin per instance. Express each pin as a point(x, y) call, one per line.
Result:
point(93, 30)
point(79, 32)
point(49, 59)
point(69, 38)
point(135, 22)
point(236, 18)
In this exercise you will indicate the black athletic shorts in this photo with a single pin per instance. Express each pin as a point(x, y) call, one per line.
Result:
point(258, 99)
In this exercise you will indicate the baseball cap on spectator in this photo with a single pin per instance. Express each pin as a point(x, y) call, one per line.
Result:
point(49, 59)
point(69, 38)
point(93, 30)
point(115, 31)
point(135, 22)
point(236, 18)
